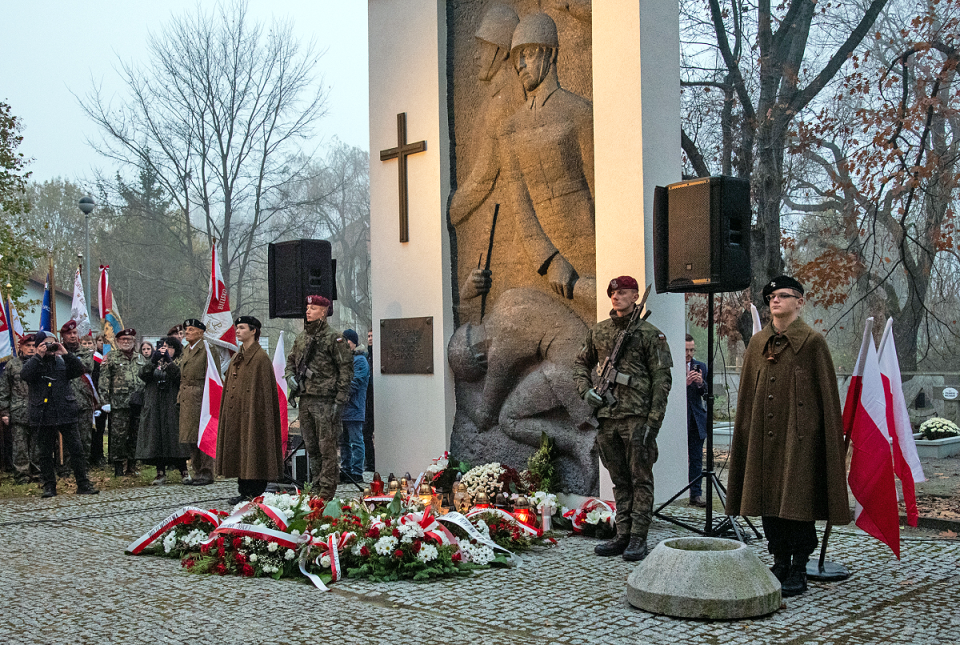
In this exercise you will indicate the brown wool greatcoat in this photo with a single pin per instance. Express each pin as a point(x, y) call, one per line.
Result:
point(248, 439)
point(193, 371)
point(787, 454)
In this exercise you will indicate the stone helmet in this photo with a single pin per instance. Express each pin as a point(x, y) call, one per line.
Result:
point(497, 26)
point(467, 354)
point(536, 29)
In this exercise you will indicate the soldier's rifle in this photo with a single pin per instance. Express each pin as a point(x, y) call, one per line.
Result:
point(608, 370)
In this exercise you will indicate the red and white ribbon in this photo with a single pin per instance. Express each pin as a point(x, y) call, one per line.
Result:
point(467, 526)
point(333, 545)
point(257, 533)
point(587, 506)
point(272, 512)
point(183, 516)
point(526, 528)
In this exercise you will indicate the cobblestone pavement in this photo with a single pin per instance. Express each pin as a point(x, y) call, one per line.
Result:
point(65, 579)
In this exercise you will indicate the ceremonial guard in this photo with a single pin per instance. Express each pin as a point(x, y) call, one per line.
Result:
point(249, 438)
point(83, 390)
point(193, 372)
point(787, 457)
point(15, 412)
point(121, 393)
point(319, 371)
point(631, 411)
point(54, 410)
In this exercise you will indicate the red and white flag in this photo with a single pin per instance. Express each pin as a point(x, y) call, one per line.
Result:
point(871, 467)
point(13, 319)
point(279, 366)
point(217, 317)
point(906, 461)
point(6, 338)
point(210, 408)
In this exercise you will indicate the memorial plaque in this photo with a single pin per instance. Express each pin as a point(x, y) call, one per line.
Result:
point(406, 345)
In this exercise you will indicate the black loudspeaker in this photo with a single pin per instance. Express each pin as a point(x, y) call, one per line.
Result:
point(701, 236)
point(296, 270)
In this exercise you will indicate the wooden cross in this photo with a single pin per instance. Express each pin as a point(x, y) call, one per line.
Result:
point(400, 153)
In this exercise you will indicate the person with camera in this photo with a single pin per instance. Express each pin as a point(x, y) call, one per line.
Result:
point(121, 396)
point(158, 440)
point(319, 371)
point(83, 387)
point(696, 422)
point(54, 411)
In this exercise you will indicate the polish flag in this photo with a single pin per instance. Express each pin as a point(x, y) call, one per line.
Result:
point(279, 366)
point(6, 338)
point(13, 319)
point(210, 408)
point(218, 318)
point(906, 461)
point(871, 468)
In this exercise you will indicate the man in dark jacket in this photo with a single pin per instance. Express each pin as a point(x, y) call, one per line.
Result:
point(787, 461)
point(696, 421)
point(54, 410)
point(352, 457)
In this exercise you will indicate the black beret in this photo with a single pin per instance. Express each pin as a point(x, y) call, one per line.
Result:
point(248, 320)
point(193, 322)
point(781, 282)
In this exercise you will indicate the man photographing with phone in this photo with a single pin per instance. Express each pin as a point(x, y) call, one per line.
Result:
point(696, 421)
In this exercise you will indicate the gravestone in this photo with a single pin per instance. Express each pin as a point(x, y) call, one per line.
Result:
point(534, 188)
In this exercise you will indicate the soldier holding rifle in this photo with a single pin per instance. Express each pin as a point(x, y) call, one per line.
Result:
point(632, 362)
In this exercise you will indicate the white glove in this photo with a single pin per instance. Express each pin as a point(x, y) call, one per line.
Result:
point(96, 413)
point(106, 408)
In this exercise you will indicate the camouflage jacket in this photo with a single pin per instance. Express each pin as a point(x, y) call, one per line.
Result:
point(330, 369)
point(83, 386)
point(645, 359)
point(120, 380)
point(14, 393)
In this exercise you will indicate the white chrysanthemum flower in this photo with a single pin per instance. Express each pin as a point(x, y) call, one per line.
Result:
point(481, 554)
point(272, 547)
point(356, 549)
point(428, 553)
point(253, 557)
point(169, 541)
point(385, 545)
point(289, 555)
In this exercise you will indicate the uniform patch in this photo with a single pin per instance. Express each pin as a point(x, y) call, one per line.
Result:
point(661, 336)
point(339, 340)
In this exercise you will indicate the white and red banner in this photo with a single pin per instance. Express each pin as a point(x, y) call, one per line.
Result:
point(871, 467)
point(13, 319)
point(906, 461)
point(210, 408)
point(6, 338)
point(217, 318)
point(78, 308)
point(183, 516)
point(109, 316)
point(279, 366)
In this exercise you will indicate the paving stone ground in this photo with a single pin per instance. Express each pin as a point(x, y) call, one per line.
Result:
point(65, 579)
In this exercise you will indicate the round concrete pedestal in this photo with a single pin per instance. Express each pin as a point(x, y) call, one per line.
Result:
point(699, 577)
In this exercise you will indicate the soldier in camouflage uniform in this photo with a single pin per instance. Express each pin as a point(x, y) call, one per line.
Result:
point(319, 371)
point(121, 393)
point(83, 390)
point(627, 437)
point(14, 411)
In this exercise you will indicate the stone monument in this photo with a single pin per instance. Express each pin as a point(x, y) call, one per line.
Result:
point(532, 189)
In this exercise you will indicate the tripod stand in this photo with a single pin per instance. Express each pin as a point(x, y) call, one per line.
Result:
point(708, 477)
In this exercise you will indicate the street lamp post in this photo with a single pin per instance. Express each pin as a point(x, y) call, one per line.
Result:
point(86, 205)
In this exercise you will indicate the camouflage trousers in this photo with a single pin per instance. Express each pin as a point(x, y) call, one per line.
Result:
point(123, 426)
point(321, 432)
point(26, 454)
point(85, 425)
point(630, 463)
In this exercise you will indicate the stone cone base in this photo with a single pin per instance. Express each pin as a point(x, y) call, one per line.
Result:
point(699, 577)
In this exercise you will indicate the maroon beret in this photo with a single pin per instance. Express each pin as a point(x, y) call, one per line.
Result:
point(29, 338)
point(70, 325)
point(623, 282)
point(320, 301)
point(130, 331)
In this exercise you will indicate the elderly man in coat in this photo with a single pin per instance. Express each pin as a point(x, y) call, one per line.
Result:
point(787, 456)
point(248, 438)
point(193, 374)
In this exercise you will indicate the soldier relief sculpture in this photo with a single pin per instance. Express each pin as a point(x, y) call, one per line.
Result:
point(527, 276)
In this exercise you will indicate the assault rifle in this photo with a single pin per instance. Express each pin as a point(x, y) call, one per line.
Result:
point(608, 370)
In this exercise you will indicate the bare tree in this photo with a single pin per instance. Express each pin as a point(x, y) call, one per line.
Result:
point(217, 115)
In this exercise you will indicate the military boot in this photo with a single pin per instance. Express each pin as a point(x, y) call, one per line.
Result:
point(781, 566)
point(50, 490)
point(637, 549)
point(87, 488)
point(118, 469)
point(796, 582)
point(616, 546)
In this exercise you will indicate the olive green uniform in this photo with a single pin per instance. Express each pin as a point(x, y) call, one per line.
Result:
point(324, 391)
point(193, 377)
point(86, 396)
point(14, 402)
point(628, 428)
point(122, 389)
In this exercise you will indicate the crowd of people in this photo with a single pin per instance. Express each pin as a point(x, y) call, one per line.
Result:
point(147, 398)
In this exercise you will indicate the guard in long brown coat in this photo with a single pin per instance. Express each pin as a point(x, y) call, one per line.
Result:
point(787, 456)
point(248, 438)
point(193, 372)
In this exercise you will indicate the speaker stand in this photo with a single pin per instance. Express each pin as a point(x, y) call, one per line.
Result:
point(726, 525)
